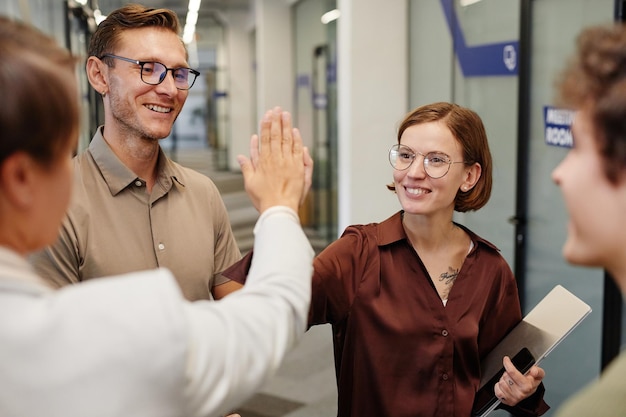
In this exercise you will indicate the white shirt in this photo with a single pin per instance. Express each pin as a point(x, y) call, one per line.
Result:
point(132, 346)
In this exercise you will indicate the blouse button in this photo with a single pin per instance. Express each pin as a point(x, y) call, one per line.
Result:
point(138, 183)
point(161, 246)
point(445, 377)
point(444, 333)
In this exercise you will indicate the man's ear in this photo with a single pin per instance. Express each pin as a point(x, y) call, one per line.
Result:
point(97, 73)
point(17, 178)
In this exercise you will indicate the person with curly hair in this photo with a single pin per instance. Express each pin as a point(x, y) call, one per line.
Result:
point(592, 178)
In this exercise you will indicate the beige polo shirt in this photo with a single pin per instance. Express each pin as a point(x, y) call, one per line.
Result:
point(114, 226)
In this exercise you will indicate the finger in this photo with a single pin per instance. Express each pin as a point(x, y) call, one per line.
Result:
point(504, 386)
point(254, 150)
point(515, 390)
point(513, 376)
point(298, 147)
point(246, 166)
point(308, 172)
point(308, 165)
point(306, 155)
point(287, 140)
point(276, 131)
point(537, 373)
point(266, 122)
point(498, 392)
point(504, 393)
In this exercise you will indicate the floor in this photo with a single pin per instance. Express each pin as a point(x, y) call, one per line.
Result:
point(305, 384)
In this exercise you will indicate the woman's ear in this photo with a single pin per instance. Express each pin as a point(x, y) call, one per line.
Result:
point(17, 179)
point(97, 73)
point(472, 175)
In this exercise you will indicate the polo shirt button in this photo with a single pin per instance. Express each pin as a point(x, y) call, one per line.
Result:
point(138, 183)
point(161, 246)
point(444, 333)
point(445, 377)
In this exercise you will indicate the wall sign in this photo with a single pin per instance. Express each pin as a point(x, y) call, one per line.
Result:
point(499, 58)
point(557, 126)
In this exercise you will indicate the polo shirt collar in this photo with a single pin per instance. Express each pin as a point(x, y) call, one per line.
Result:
point(118, 176)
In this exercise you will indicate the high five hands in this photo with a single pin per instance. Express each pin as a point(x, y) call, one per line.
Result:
point(279, 170)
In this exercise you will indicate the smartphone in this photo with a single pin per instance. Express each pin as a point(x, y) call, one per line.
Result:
point(485, 397)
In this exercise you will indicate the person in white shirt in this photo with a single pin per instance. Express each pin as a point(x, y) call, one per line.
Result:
point(132, 345)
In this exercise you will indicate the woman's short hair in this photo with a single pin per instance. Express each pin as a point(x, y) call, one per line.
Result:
point(39, 111)
point(468, 129)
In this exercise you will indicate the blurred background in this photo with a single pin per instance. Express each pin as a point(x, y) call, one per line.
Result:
point(349, 70)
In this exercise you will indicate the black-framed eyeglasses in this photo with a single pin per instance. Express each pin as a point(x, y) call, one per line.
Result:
point(154, 73)
point(436, 164)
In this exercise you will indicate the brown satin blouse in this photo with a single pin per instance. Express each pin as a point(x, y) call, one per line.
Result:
point(398, 350)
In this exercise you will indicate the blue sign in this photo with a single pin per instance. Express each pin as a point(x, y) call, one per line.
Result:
point(500, 58)
point(320, 101)
point(557, 126)
point(303, 80)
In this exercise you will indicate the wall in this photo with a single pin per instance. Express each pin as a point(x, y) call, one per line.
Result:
point(372, 99)
point(274, 55)
point(242, 107)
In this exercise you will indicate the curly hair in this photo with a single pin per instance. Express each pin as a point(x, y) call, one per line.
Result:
point(595, 80)
point(468, 129)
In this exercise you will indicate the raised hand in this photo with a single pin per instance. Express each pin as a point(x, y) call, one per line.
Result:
point(279, 169)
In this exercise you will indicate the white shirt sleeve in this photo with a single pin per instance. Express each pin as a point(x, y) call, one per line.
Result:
point(237, 343)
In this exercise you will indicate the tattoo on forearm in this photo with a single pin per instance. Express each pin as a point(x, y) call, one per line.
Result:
point(448, 277)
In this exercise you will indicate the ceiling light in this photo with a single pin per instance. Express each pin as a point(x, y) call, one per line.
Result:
point(98, 16)
point(465, 3)
point(330, 16)
point(190, 22)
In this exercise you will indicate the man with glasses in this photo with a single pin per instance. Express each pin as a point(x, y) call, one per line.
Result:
point(133, 208)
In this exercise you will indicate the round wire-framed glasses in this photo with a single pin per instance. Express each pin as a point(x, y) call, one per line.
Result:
point(436, 164)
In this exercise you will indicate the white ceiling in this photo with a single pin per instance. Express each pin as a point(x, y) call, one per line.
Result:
point(210, 16)
point(209, 9)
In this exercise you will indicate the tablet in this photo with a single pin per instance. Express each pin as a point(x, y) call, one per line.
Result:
point(543, 328)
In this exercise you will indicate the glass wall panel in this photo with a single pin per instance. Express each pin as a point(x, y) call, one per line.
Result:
point(468, 55)
point(554, 27)
point(316, 110)
point(493, 26)
point(457, 53)
point(445, 38)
